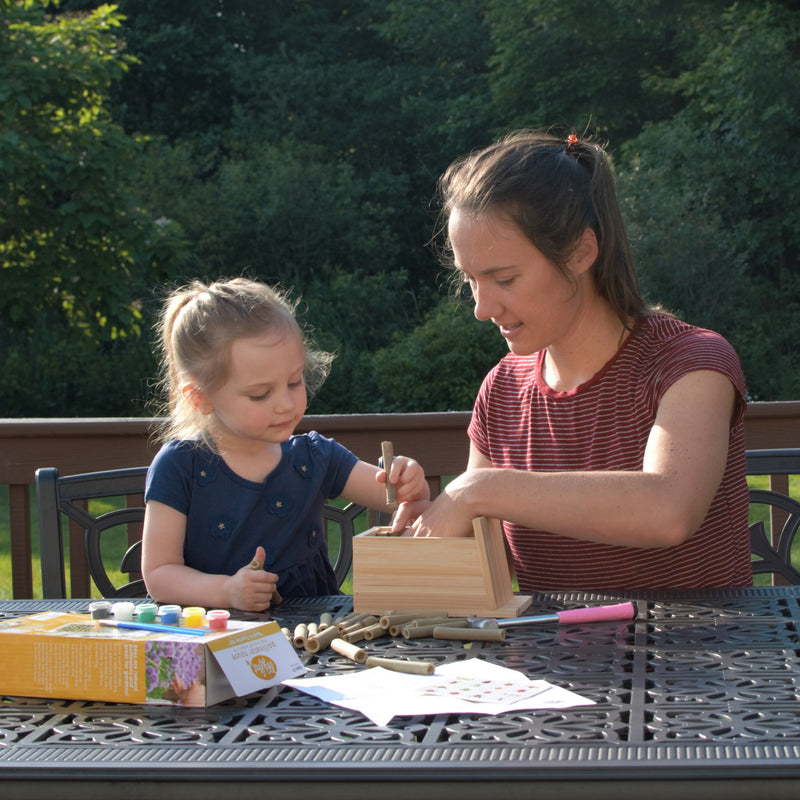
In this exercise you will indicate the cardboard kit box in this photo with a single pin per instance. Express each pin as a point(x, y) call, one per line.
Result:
point(66, 655)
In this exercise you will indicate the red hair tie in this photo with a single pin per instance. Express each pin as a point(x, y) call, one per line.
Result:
point(572, 143)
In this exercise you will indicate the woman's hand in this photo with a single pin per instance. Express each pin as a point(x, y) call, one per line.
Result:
point(448, 515)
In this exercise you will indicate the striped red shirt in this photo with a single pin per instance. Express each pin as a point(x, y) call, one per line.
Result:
point(519, 422)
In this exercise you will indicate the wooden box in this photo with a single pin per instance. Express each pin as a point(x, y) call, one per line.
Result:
point(462, 576)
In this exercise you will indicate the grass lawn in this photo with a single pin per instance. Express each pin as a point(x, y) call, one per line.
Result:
point(114, 550)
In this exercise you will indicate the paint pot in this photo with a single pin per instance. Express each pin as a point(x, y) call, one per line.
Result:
point(193, 616)
point(170, 614)
point(218, 619)
point(146, 612)
point(123, 612)
point(100, 609)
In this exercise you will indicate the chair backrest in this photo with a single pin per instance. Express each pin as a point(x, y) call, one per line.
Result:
point(69, 495)
point(774, 553)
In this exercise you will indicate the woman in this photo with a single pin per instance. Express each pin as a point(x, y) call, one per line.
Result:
point(610, 439)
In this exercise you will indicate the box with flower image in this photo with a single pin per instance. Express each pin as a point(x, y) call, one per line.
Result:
point(66, 655)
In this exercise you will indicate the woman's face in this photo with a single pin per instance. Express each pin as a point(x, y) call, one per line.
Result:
point(513, 284)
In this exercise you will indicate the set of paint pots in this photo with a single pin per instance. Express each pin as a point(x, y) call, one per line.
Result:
point(189, 617)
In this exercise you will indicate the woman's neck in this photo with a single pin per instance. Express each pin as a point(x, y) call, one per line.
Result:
point(594, 341)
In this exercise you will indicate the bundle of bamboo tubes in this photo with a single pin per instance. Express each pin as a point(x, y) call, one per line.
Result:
point(343, 634)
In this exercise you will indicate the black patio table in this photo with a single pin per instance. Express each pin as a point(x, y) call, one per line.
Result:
point(698, 696)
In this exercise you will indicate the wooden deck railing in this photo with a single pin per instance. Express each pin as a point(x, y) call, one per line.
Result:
point(437, 440)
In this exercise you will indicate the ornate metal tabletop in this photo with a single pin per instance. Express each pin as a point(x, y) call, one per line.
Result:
point(702, 686)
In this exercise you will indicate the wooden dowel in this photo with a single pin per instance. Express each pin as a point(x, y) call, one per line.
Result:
point(400, 665)
point(387, 452)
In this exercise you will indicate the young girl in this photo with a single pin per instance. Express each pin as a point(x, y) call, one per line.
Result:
point(233, 498)
point(610, 438)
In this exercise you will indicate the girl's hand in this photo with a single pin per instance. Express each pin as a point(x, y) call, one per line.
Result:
point(409, 477)
point(251, 589)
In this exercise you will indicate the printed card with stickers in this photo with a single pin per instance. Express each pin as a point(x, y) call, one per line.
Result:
point(478, 690)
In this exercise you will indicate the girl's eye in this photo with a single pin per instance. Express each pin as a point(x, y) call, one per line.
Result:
point(258, 397)
point(296, 384)
point(505, 281)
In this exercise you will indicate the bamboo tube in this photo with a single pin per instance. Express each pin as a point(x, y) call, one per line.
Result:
point(387, 620)
point(400, 665)
point(349, 650)
point(395, 618)
point(313, 629)
point(470, 634)
point(325, 620)
point(356, 635)
point(322, 640)
point(355, 622)
point(374, 632)
point(346, 618)
point(288, 634)
point(419, 621)
point(423, 631)
point(300, 635)
point(387, 451)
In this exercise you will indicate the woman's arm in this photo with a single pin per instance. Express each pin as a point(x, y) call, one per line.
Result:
point(169, 580)
point(659, 506)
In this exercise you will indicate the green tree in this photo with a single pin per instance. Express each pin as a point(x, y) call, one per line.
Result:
point(72, 244)
point(713, 194)
point(78, 256)
point(440, 365)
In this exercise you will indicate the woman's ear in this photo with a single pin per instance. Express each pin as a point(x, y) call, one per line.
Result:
point(196, 398)
point(585, 253)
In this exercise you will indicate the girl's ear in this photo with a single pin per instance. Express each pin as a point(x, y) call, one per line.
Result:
point(585, 253)
point(196, 398)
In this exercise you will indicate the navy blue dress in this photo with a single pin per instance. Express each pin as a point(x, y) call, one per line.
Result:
point(228, 516)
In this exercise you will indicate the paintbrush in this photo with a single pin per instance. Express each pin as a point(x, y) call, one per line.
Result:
point(152, 626)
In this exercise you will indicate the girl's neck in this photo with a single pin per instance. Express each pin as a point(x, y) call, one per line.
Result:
point(252, 460)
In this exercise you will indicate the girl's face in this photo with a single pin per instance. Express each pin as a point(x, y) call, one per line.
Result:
point(513, 284)
point(264, 397)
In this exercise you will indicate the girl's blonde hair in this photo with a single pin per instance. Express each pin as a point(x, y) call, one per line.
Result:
point(196, 327)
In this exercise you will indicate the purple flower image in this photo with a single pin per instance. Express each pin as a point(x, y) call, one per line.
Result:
point(175, 671)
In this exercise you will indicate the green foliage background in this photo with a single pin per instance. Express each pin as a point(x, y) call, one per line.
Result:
point(299, 141)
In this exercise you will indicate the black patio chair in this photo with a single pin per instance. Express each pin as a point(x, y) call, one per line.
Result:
point(774, 552)
point(69, 495)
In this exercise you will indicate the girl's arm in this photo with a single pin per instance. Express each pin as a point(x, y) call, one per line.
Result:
point(169, 580)
point(659, 506)
point(366, 484)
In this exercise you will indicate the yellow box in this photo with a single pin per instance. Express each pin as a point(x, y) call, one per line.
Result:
point(54, 654)
point(463, 576)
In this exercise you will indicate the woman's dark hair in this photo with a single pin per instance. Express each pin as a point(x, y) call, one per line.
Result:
point(552, 189)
